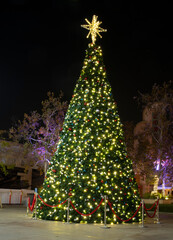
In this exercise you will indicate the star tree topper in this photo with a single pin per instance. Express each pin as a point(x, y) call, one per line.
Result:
point(93, 28)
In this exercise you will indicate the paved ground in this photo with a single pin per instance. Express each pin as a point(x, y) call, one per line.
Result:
point(16, 225)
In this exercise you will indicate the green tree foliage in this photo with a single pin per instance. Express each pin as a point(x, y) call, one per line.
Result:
point(91, 158)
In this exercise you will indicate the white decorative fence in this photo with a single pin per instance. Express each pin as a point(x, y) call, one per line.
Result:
point(15, 196)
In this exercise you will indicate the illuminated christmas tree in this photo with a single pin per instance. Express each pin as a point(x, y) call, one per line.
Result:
point(91, 159)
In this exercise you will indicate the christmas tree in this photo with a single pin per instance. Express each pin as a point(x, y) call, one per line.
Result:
point(91, 158)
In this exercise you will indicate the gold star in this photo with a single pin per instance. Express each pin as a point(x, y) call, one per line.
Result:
point(93, 28)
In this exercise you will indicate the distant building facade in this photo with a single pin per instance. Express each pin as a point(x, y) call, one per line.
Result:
point(17, 168)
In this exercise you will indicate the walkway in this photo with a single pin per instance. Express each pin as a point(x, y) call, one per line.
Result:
point(15, 225)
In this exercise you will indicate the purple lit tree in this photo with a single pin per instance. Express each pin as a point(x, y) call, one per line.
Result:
point(39, 132)
point(157, 137)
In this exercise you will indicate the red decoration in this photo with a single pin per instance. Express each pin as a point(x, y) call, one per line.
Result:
point(48, 185)
point(41, 208)
point(115, 120)
point(61, 129)
point(72, 95)
point(70, 189)
point(70, 129)
point(70, 194)
point(88, 120)
point(54, 170)
point(10, 197)
point(102, 181)
point(85, 103)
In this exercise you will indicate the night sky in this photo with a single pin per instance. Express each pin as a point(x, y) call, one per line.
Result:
point(42, 48)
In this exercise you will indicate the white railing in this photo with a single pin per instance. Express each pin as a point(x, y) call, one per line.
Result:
point(14, 196)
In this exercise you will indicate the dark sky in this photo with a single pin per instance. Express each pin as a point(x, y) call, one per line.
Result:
point(42, 48)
